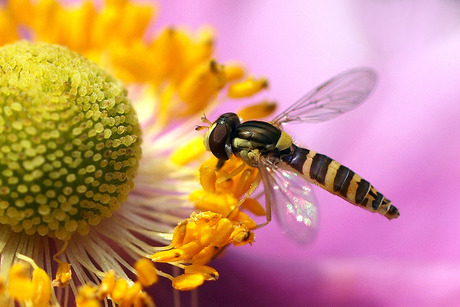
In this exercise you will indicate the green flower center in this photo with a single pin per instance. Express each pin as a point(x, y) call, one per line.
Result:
point(69, 141)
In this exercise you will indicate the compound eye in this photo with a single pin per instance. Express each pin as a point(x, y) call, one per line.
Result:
point(219, 142)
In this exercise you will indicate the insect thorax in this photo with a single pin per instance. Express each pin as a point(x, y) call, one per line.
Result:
point(254, 138)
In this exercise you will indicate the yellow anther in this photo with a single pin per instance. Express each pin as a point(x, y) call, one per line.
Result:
point(241, 236)
point(208, 178)
point(6, 22)
point(222, 233)
point(20, 286)
point(247, 88)
point(146, 272)
point(231, 172)
point(247, 177)
point(256, 111)
point(223, 186)
point(221, 203)
point(202, 49)
point(202, 85)
point(206, 217)
point(179, 234)
point(205, 255)
point(200, 224)
point(207, 272)
point(130, 28)
point(63, 275)
point(253, 206)
point(245, 220)
point(191, 232)
point(190, 249)
point(167, 256)
point(187, 282)
point(234, 71)
point(206, 34)
point(87, 296)
point(233, 216)
point(130, 294)
point(119, 290)
point(90, 303)
point(206, 235)
point(143, 300)
point(42, 287)
point(166, 52)
point(189, 152)
point(19, 270)
point(107, 285)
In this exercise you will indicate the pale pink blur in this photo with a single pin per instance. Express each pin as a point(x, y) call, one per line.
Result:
point(405, 139)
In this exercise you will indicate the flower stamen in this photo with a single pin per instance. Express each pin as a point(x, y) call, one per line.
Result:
point(121, 291)
point(191, 151)
point(146, 272)
point(22, 288)
point(234, 71)
point(196, 241)
point(258, 110)
point(60, 252)
point(247, 88)
point(63, 275)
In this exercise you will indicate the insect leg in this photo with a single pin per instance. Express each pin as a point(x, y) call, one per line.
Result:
point(268, 215)
point(268, 208)
point(251, 189)
point(268, 211)
point(219, 165)
point(233, 173)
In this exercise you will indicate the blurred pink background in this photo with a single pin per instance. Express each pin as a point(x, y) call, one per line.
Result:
point(405, 140)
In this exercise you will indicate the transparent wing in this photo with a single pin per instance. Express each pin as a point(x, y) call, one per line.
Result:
point(340, 94)
point(291, 198)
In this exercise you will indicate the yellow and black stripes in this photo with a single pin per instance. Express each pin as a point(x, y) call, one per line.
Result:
point(339, 180)
point(254, 139)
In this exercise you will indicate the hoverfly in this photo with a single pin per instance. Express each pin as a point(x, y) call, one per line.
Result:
point(286, 169)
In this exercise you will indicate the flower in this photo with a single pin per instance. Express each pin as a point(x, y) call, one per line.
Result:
point(94, 178)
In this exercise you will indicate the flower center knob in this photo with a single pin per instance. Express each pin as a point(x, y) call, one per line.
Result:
point(69, 141)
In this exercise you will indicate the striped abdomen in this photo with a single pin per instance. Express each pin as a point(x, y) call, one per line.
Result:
point(340, 180)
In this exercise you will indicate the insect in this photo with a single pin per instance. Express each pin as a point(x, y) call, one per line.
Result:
point(286, 169)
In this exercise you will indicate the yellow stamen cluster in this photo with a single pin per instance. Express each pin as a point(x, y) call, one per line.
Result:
point(33, 291)
point(201, 237)
point(180, 67)
point(197, 240)
point(69, 141)
point(83, 27)
point(223, 189)
point(119, 290)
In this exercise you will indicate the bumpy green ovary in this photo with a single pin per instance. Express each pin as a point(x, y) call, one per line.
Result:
point(69, 141)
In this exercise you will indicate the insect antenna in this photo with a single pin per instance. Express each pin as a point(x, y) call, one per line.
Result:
point(198, 128)
point(205, 120)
